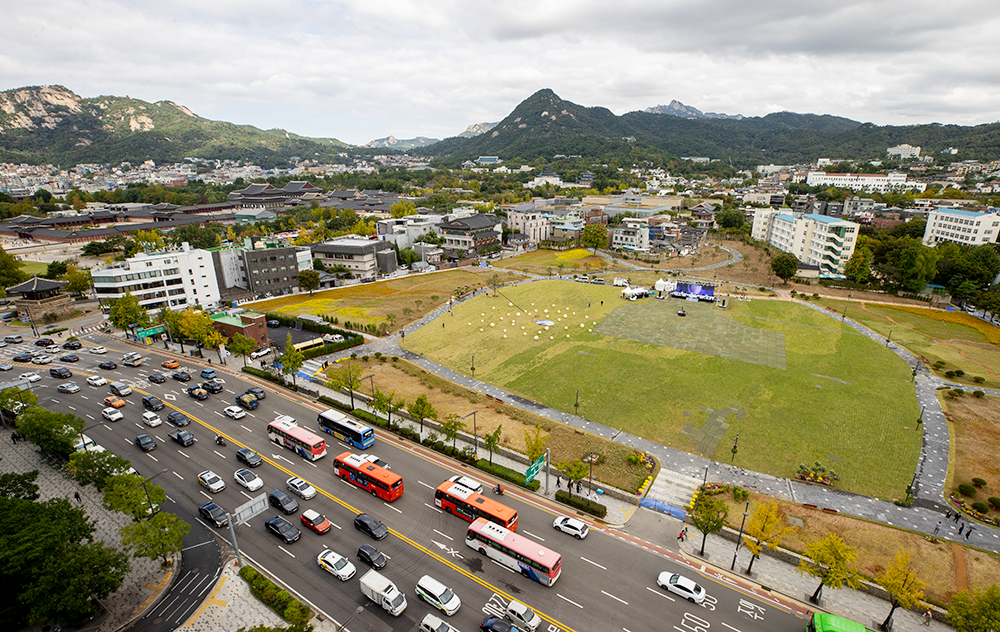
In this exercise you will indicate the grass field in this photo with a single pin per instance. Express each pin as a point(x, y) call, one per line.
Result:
point(551, 262)
point(401, 300)
point(34, 268)
point(841, 399)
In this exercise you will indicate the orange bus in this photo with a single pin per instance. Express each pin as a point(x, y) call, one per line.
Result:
point(465, 503)
point(379, 481)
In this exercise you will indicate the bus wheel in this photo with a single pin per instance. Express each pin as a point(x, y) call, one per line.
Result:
point(374, 494)
point(482, 551)
point(524, 572)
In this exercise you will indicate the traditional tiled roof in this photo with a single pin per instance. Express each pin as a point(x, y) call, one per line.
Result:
point(36, 284)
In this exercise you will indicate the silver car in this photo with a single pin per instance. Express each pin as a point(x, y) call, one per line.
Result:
point(298, 486)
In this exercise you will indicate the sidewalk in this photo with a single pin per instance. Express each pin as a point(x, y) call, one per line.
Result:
point(142, 585)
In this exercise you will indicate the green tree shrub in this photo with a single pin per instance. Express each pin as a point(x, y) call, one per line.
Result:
point(981, 507)
point(966, 490)
point(979, 379)
point(993, 500)
point(978, 482)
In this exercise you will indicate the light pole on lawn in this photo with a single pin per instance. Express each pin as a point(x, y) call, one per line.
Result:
point(739, 539)
point(576, 406)
point(473, 366)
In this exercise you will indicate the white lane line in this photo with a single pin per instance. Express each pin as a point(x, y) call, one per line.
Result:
point(569, 601)
point(533, 535)
point(153, 457)
point(219, 453)
point(183, 454)
point(506, 568)
point(426, 485)
point(90, 416)
point(615, 598)
point(245, 428)
point(200, 404)
point(217, 413)
point(246, 494)
point(178, 475)
point(393, 508)
point(594, 563)
point(336, 525)
point(285, 550)
point(660, 593)
point(433, 507)
point(443, 535)
point(730, 627)
point(68, 406)
point(204, 494)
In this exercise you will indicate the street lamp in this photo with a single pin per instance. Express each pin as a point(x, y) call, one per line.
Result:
point(590, 459)
point(576, 406)
point(473, 366)
point(90, 427)
point(736, 442)
point(149, 502)
point(739, 540)
point(475, 434)
point(371, 381)
point(357, 611)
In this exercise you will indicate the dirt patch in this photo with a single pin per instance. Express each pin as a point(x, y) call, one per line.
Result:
point(976, 424)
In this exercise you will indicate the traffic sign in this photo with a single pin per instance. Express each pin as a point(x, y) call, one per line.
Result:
point(533, 470)
point(151, 331)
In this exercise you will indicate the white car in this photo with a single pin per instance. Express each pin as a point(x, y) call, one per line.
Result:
point(112, 414)
point(31, 377)
point(680, 585)
point(96, 380)
point(371, 458)
point(211, 481)
point(98, 350)
point(235, 412)
point(298, 486)
point(260, 353)
point(248, 479)
point(431, 623)
point(335, 564)
point(468, 483)
point(151, 419)
point(572, 526)
point(42, 359)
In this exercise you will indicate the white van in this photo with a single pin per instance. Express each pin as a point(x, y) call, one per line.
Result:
point(13, 339)
point(438, 595)
point(121, 389)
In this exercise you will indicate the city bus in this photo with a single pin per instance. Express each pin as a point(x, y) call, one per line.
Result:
point(285, 432)
point(823, 622)
point(308, 344)
point(347, 430)
point(379, 481)
point(516, 552)
point(463, 502)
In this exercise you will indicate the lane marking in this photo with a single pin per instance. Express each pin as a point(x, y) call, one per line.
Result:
point(569, 601)
point(178, 475)
point(660, 593)
point(434, 508)
point(533, 535)
point(444, 535)
point(426, 485)
point(594, 563)
point(615, 598)
point(286, 551)
point(391, 507)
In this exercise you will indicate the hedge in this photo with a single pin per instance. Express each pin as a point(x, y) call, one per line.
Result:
point(993, 500)
point(332, 403)
point(966, 490)
point(282, 603)
point(507, 474)
point(582, 503)
point(270, 377)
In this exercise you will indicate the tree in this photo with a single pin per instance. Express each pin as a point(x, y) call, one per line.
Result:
point(10, 270)
point(832, 561)
point(346, 374)
point(126, 312)
point(55, 270)
point(977, 611)
point(11, 399)
point(292, 360)
point(48, 429)
point(149, 240)
point(78, 281)
point(858, 267)
point(765, 529)
point(595, 236)
point(901, 582)
point(93, 467)
point(309, 280)
point(21, 486)
point(730, 218)
point(491, 441)
point(242, 346)
point(495, 283)
point(160, 536)
point(709, 516)
point(196, 236)
point(213, 339)
point(784, 266)
point(451, 426)
point(422, 409)
point(402, 209)
point(125, 493)
point(534, 442)
point(575, 471)
point(194, 324)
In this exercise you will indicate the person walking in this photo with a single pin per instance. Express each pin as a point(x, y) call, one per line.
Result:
point(956, 516)
point(558, 482)
point(579, 488)
point(78, 498)
point(937, 528)
point(927, 617)
point(680, 536)
point(968, 532)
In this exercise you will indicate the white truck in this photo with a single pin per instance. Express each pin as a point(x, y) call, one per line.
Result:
point(383, 592)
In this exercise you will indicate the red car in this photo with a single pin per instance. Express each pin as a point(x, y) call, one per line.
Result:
point(315, 521)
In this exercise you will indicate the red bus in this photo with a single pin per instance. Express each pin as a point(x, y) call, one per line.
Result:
point(379, 481)
point(285, 432)
point(516, 552)
point(465, 503)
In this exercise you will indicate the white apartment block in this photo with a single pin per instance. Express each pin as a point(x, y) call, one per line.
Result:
point(961, 227)
point(532, 223)
point(894, 181)
point(175, 278)
point(632, 234)
point(904, 151)
point(819, 240)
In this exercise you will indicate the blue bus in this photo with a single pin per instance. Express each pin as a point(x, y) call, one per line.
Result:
point(347, 430)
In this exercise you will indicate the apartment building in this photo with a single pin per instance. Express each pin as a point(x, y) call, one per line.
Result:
point(882, 183)
point(529, 221)
point(969, 228)
point(363, 258)
point(631, 234)
point(819, 240)
point(176, 279)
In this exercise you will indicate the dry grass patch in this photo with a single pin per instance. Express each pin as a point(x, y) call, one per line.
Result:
point(551, 262)
point(976, 431)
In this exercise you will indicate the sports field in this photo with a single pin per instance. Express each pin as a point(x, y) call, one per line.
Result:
point(794, 383)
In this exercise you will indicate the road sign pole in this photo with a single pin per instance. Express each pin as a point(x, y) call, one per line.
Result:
point(548, 466)
point(236, 546)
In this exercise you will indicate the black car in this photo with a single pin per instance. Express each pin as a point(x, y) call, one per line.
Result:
point(72, 345)
point(107, 365)
point(69, 357)
point(157, 378)
point(371, 556)
point(257, 392)
point(248, 457)
point(145, 442)
point(212, 387)
point(496, 624)
point(60, 372)
point(283, 501)
point(178, 419)
point(152, 403)
point(213, 514)
point(181, 376)
point(371, 526)
point(283, 529)
point(273, 324)
point(22, 357)
point(44, 342)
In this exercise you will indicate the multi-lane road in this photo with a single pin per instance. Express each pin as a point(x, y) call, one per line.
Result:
point(608, 580)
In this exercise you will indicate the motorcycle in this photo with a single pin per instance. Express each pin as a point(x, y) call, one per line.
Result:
point(219, 439)
point(498, 490)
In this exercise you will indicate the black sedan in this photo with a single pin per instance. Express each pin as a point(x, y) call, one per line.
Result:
point(181, 376)
point(365, 523)
point(69, 357)
point(496, 624)
point(257, 392)
point(22, 357)
point(371, 556)
point(178, 419)
point(213, 514)
point(44, 342)
point(145, 442)
point(157, 378)
point(107, 365)
point(247, 457)
point(72, 345)
point(283, 529)
point(212, 387)
point(273, 324)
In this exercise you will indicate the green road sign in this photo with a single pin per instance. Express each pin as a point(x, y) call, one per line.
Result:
point(533, 470)
point(152, 331)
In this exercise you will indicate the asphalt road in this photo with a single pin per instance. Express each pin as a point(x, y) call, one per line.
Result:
point(609, 577)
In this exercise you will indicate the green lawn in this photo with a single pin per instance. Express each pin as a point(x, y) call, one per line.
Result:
point(33, 268)
point(840, 398)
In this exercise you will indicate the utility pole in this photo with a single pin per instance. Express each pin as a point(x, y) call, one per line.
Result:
point(739, 540)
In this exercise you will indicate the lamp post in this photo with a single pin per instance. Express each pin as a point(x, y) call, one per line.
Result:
point(739, 540)
point(576, 406)
point(590, 459)
point(149, 502)
point(357, 611)
point(90, 427)
point(475, 434)
point(473, 366)
point(888, 338)
point(736, 442)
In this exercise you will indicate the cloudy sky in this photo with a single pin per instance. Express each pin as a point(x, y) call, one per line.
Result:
point(363, 69)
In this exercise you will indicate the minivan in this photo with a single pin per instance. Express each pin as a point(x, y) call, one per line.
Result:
point(14, 339)
point(438, 595)
point(60, 372)
point(283, 501)
point(121, 389)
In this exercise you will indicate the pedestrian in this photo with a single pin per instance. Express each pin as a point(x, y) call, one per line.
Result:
point(947, 515)
point(78, 498)
point(588, 303)
point(680, 536)
point(558, 482)
point(13, 438)
point(968, 532)
point(960, 527)
point(927, 617)
point(579, 487)
point(937, 528)
point(956, 516)
point(602, 303)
